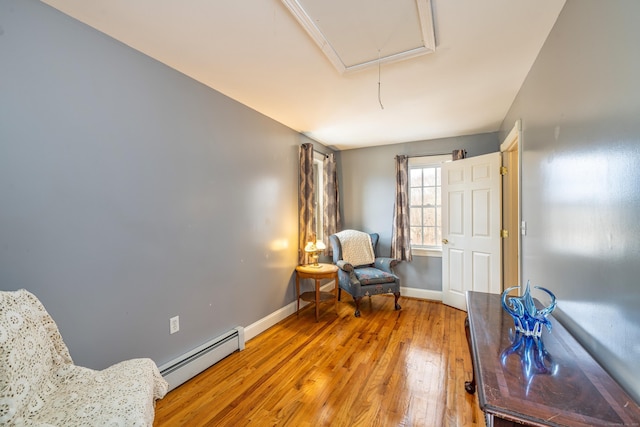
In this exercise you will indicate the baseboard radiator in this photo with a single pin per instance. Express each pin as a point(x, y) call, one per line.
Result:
point(190, 364)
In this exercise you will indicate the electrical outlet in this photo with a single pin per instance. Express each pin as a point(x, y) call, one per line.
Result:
point(174, 324)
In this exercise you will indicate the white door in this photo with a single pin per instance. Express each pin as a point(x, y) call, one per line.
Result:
point(471, 219)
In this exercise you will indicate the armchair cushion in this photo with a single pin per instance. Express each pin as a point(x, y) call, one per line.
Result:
point(373, 276)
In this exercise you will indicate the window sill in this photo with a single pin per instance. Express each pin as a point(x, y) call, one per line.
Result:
point(437, 253)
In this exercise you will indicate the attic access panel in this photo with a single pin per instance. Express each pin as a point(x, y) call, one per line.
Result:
point(356, 34)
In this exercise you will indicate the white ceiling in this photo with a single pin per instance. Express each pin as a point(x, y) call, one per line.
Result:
point(255, 52)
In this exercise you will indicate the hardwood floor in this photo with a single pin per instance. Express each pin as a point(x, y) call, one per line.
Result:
point(386, 368)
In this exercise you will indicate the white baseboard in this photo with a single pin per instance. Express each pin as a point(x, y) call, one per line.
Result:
point(256, 328)
point(421, 294)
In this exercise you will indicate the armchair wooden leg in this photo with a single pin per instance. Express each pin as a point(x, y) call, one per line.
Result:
point(339, 293)
point(357, 301)
point(397, 295)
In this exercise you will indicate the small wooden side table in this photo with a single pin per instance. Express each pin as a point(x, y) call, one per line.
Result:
point(322, 271)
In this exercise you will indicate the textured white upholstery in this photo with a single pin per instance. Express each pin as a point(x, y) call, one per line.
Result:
point(357, 249)
point(40, 385)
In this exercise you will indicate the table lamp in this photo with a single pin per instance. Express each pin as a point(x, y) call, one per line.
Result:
point(314, 249)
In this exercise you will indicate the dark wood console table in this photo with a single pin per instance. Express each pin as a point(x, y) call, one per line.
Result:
point(566, 387)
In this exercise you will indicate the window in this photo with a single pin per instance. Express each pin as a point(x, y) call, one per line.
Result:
point(318, 187)
point(425, 204)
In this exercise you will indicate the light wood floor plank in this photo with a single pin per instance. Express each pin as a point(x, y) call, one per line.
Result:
point(386, 368)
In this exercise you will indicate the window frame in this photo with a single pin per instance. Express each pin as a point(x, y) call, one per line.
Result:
point(422, 162)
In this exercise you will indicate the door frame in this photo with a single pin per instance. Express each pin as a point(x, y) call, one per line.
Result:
point(513, 142)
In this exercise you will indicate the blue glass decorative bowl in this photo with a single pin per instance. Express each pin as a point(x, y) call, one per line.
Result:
point(534, 358)
point(527, 318)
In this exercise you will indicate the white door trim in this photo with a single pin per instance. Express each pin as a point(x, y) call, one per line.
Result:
point(511, 142)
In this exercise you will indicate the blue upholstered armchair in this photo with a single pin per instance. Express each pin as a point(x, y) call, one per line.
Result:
point(371, 275)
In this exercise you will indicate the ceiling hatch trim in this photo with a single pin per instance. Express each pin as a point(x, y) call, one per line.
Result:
point(424, 30)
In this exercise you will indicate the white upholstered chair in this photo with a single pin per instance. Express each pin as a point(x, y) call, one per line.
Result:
point(40, 385)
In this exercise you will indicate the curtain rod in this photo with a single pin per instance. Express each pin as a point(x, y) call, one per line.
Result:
point(320, 152)
point(314, 148)
point(432, 154)
point(426, 155)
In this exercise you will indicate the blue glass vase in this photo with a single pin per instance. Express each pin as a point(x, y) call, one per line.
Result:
point(528, 319)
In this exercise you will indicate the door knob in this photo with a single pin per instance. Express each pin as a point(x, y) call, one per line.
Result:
point(445, 241)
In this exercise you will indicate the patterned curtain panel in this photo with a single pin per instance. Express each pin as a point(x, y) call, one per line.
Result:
point(401, 238)
point(306, 218)
point(331, 218)
point(458, 154)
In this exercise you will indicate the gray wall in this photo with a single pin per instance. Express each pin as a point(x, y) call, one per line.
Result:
point(367, 183)
point(580, 110)
point(130, 193)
